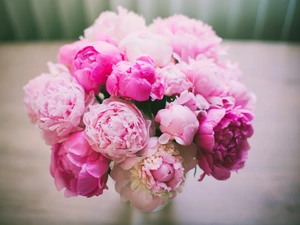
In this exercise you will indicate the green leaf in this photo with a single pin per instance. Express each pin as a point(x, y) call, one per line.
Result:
point(98, 99)
point(145, 108)
point(157, 105)
point(104, 92)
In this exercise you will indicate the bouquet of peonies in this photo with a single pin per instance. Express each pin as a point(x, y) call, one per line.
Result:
point(142, 105)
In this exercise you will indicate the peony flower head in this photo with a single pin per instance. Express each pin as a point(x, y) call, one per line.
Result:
point(55, 103)
point(177, 122)
point(155, 179)
point(222, 139)
point(188, 37)
point(68, 52)
point(196, 103)
point(93, 64)
point(116, 128)
point(142, 43)
point(144, 104)
point(242, 97)
point(77, 168)
point(209, 80)
point(32, 91)
point(114, 27)
point(36, 85)
point(174, 80)
point(132, 81)
point(61, 105)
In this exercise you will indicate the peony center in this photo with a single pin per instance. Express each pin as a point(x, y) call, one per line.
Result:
point(164, 173)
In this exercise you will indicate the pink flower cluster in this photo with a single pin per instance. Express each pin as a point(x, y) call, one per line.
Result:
point(142, 105)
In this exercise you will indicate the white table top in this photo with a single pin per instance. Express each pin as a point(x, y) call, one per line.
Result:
point(266, 191)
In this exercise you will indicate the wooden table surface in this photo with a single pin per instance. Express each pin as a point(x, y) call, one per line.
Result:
point(266, 191)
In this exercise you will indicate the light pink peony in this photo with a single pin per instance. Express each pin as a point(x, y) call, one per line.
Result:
point(68, 52)
point(114, 26)
point(35, 86)
point(55, 102)
point(208, 78)
point(232, 70)
point(177, 122)
point(116, 129)
point(132, 81)
point(242, 97)
point(222, 139)
point(196, 104)
point(32, 91)
point(77, 168)
point(93, 64)
point(156, 178)
point(188, 37)
point(174, 80)
point(60, 107)
point(145, 43)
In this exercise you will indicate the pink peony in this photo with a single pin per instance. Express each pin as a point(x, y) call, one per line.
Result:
point(116, 129)
point(114, 26)
point(132, 81)
point(232, 70)
point(222, 139)
point(196, 104)
point(174, 80)
point(60, 107)
point(93, 64)
point(157, 90)
point(55, 102)
point(177, 122)
point(79, 169)
point(188, 37)
point(142, 43)
point(242, 97)
point(68, 52)
point(207, 77)
point(32, 91)
point(35, 86)
point(156, 178)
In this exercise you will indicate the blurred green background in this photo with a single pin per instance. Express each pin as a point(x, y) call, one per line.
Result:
point(277, 20)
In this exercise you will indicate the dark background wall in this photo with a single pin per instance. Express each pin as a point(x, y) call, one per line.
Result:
point(22, 20)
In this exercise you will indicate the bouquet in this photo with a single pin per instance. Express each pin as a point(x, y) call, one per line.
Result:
point(141, 105)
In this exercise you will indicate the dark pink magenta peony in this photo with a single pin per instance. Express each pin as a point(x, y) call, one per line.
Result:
point(68, 52)
point(116, 129)
point(133, 81)
point(77, 168)
point(222, 139)
point(93, 64)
